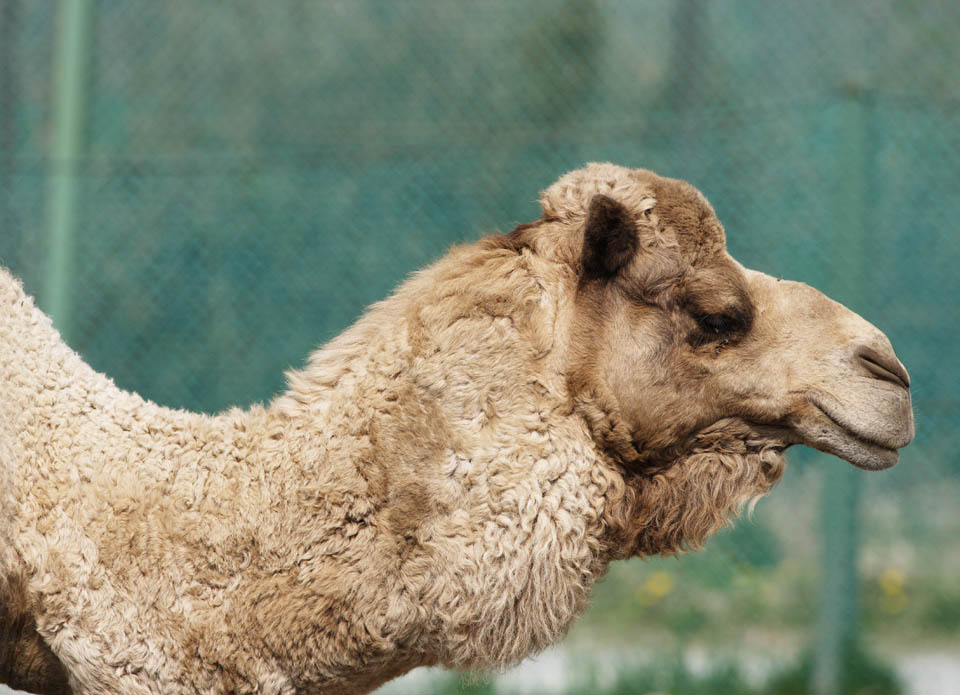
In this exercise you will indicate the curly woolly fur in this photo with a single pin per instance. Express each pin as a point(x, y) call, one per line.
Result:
point(434, 487)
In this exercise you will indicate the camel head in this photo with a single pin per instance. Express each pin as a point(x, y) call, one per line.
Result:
point(675, 350)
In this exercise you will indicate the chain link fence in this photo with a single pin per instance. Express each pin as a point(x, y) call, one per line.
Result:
point(250, 175)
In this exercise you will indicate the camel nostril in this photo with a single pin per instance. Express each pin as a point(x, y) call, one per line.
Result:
point(884, 366)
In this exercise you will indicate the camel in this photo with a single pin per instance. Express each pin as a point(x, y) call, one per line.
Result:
point(445, 481)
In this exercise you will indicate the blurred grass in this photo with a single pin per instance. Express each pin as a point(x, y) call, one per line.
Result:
point(671, 675)
point(763, 574)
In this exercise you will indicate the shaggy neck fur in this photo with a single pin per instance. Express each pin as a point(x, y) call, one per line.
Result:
point(426, 492)
point(678, 508)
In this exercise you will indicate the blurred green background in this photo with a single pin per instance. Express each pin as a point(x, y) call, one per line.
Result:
point(203, 192)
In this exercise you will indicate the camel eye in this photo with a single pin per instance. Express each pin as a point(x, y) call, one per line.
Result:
point(727, 322)
point(717, 325)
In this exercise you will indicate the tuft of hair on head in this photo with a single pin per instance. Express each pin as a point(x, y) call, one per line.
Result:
point(609, 238)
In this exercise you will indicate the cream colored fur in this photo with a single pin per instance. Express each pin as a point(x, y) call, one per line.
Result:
point(179, 552)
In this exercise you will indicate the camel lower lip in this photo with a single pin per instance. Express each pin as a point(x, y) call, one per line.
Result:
point(824, 433)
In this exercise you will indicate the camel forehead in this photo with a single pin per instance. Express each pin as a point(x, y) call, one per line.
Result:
point(678, 206)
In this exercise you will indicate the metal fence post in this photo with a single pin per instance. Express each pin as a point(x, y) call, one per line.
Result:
point(9, 26)
point(838, 623)
point(72, 40)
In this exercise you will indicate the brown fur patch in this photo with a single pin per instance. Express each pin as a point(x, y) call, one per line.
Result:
point(26, 661)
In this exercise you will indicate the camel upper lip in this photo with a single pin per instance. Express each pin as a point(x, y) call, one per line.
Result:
point(853, 432)
point(878, 427)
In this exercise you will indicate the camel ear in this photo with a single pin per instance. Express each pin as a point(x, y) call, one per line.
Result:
point(609, 238)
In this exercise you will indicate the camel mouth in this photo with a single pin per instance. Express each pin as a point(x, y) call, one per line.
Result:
point(820, 430)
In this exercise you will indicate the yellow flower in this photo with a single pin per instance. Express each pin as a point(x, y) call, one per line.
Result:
point(659, 584)
point(892, 581)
